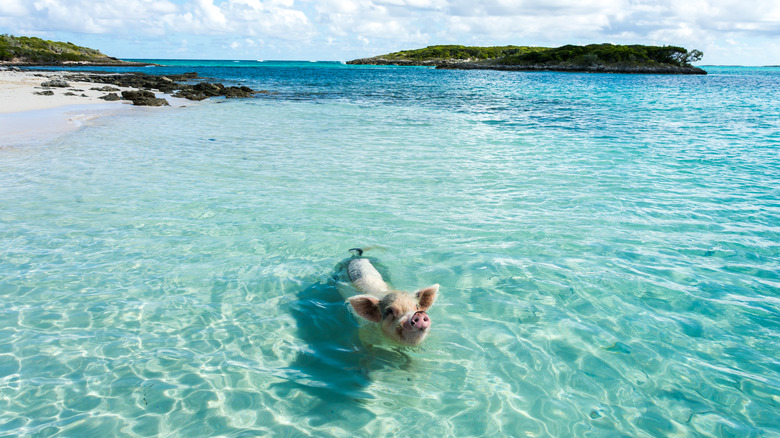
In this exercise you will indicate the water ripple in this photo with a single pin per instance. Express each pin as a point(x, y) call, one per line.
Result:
point(607, 248)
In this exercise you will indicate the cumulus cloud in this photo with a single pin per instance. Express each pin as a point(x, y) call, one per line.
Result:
point(202, 16)
point(367, 21)
point(81, 16)
point(388, 25)
point(365, 26)
point(13, 8)
point(277, 18)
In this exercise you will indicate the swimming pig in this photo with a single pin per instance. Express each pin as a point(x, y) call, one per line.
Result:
point(401, 315)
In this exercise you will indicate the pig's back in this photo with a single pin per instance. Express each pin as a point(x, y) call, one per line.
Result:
point(366, 278)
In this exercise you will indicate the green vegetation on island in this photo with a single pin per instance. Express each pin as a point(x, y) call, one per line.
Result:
point(36, 51)
point(590, 58)
point(464, 53)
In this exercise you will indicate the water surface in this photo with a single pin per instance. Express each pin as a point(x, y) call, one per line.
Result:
point(606, 245)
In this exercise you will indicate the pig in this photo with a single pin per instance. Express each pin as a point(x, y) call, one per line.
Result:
point(401, 315)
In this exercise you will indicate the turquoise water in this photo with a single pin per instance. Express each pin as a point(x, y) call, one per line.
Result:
point(607, 248)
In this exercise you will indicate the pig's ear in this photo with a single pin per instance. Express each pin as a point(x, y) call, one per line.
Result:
point(426, 297)
point(366, 307)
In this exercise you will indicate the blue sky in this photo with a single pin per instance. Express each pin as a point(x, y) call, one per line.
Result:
point(727, 31)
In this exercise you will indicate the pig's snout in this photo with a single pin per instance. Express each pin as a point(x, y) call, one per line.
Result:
point(420, 321)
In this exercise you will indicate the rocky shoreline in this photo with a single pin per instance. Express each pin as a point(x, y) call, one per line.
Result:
point(144, 85)
point(596, 68)
point(139, 87)
point(37, 105)
point(487, 65)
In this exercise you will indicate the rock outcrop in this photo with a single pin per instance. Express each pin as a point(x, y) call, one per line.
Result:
point(110, 97)
point(56, 83)
point(205, 90)
point(143, 98)
point(177, 85)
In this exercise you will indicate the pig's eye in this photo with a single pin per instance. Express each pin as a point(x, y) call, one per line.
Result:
point(390, 311)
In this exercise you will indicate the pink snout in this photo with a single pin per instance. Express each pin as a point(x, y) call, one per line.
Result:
point(419, 321)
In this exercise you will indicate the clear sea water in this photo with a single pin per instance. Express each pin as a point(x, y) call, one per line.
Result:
point(608, 250)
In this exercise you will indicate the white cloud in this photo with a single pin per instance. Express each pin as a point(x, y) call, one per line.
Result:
point(13, 8)
point(355, 26)
point(243, 18)
point(278, 18)
point(209, 15)
point(92, 17)
point(366, 20)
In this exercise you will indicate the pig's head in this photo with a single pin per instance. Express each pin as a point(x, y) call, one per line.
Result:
point(401, 315)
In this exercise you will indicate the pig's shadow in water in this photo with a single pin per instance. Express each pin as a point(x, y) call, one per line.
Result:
point(333, 365)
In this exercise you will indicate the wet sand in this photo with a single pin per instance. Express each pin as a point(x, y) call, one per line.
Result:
point(31, 112)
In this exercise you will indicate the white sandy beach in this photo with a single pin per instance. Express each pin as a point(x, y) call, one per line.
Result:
point(28, 118)
point(18, 88)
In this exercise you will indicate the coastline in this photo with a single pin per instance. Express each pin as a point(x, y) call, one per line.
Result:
point(27, 117)
point(19, 91)
point(450, 64)
point(27, 128)
point(39, 105)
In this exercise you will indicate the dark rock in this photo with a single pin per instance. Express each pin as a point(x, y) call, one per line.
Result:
point(110, 97)
point(183, 77)
point(78, 78)
point(151, 102)
point(200, 91)
point(60, 83)
point(166, 84)
point(190, 94)
point(45, 93)
point(106, 89)
point(133, 80)
point(143, 98)
point(137, 94)
point(205, 90)
point(238, 92)
point(209, 89)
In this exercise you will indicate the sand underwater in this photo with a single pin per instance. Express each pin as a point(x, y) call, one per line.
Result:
point(607, 248)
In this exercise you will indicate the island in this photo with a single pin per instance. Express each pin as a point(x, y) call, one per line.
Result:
point(32, 51)
point(595, 58)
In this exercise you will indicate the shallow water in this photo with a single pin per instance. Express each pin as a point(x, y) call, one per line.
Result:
point(606, 245)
